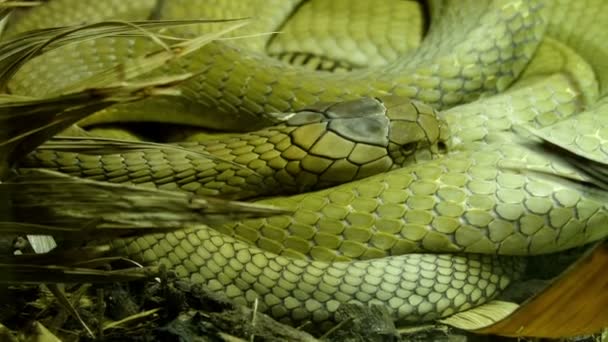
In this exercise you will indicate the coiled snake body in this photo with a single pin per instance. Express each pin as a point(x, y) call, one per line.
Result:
point(490, 66)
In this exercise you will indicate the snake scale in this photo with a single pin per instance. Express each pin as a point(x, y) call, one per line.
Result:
point(430, 234)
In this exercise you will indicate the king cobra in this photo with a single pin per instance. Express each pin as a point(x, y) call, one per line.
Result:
point(431, 233)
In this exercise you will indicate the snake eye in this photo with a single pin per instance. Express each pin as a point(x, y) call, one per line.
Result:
point(409, 147)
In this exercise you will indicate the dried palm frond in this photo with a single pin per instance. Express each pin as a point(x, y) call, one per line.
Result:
point(17, 50)
point(71, 206)
point(15, 4)
point(7, 7)
point(44, 202)
point(28, 122)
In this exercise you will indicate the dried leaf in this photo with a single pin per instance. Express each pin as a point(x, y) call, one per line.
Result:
point(573, 305)
point(28, 122)
point(17, 50)
point(51, 274)
point(64, 201)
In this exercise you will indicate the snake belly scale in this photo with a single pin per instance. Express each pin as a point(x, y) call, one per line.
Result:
point(489, 66)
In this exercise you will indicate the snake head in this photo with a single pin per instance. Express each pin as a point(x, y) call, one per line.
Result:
point(416, 132)
point(353, 139)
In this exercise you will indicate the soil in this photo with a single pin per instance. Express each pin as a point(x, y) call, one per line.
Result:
point(177, 310)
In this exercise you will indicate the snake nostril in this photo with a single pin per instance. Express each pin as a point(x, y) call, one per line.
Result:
point(442, 147)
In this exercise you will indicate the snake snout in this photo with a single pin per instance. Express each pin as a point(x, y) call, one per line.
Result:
point(416, 132)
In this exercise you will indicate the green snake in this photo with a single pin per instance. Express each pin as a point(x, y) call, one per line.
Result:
point(438, 234)
point(314, 148)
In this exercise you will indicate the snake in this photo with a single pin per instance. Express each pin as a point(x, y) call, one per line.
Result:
point(321, 146)
point(442, 226)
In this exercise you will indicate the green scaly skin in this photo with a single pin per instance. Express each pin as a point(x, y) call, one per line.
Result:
point(310, 40)
point(494, 193)
point(442, 72)
point(321, 146)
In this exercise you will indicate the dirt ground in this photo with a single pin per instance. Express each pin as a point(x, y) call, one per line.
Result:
point(171, 309)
